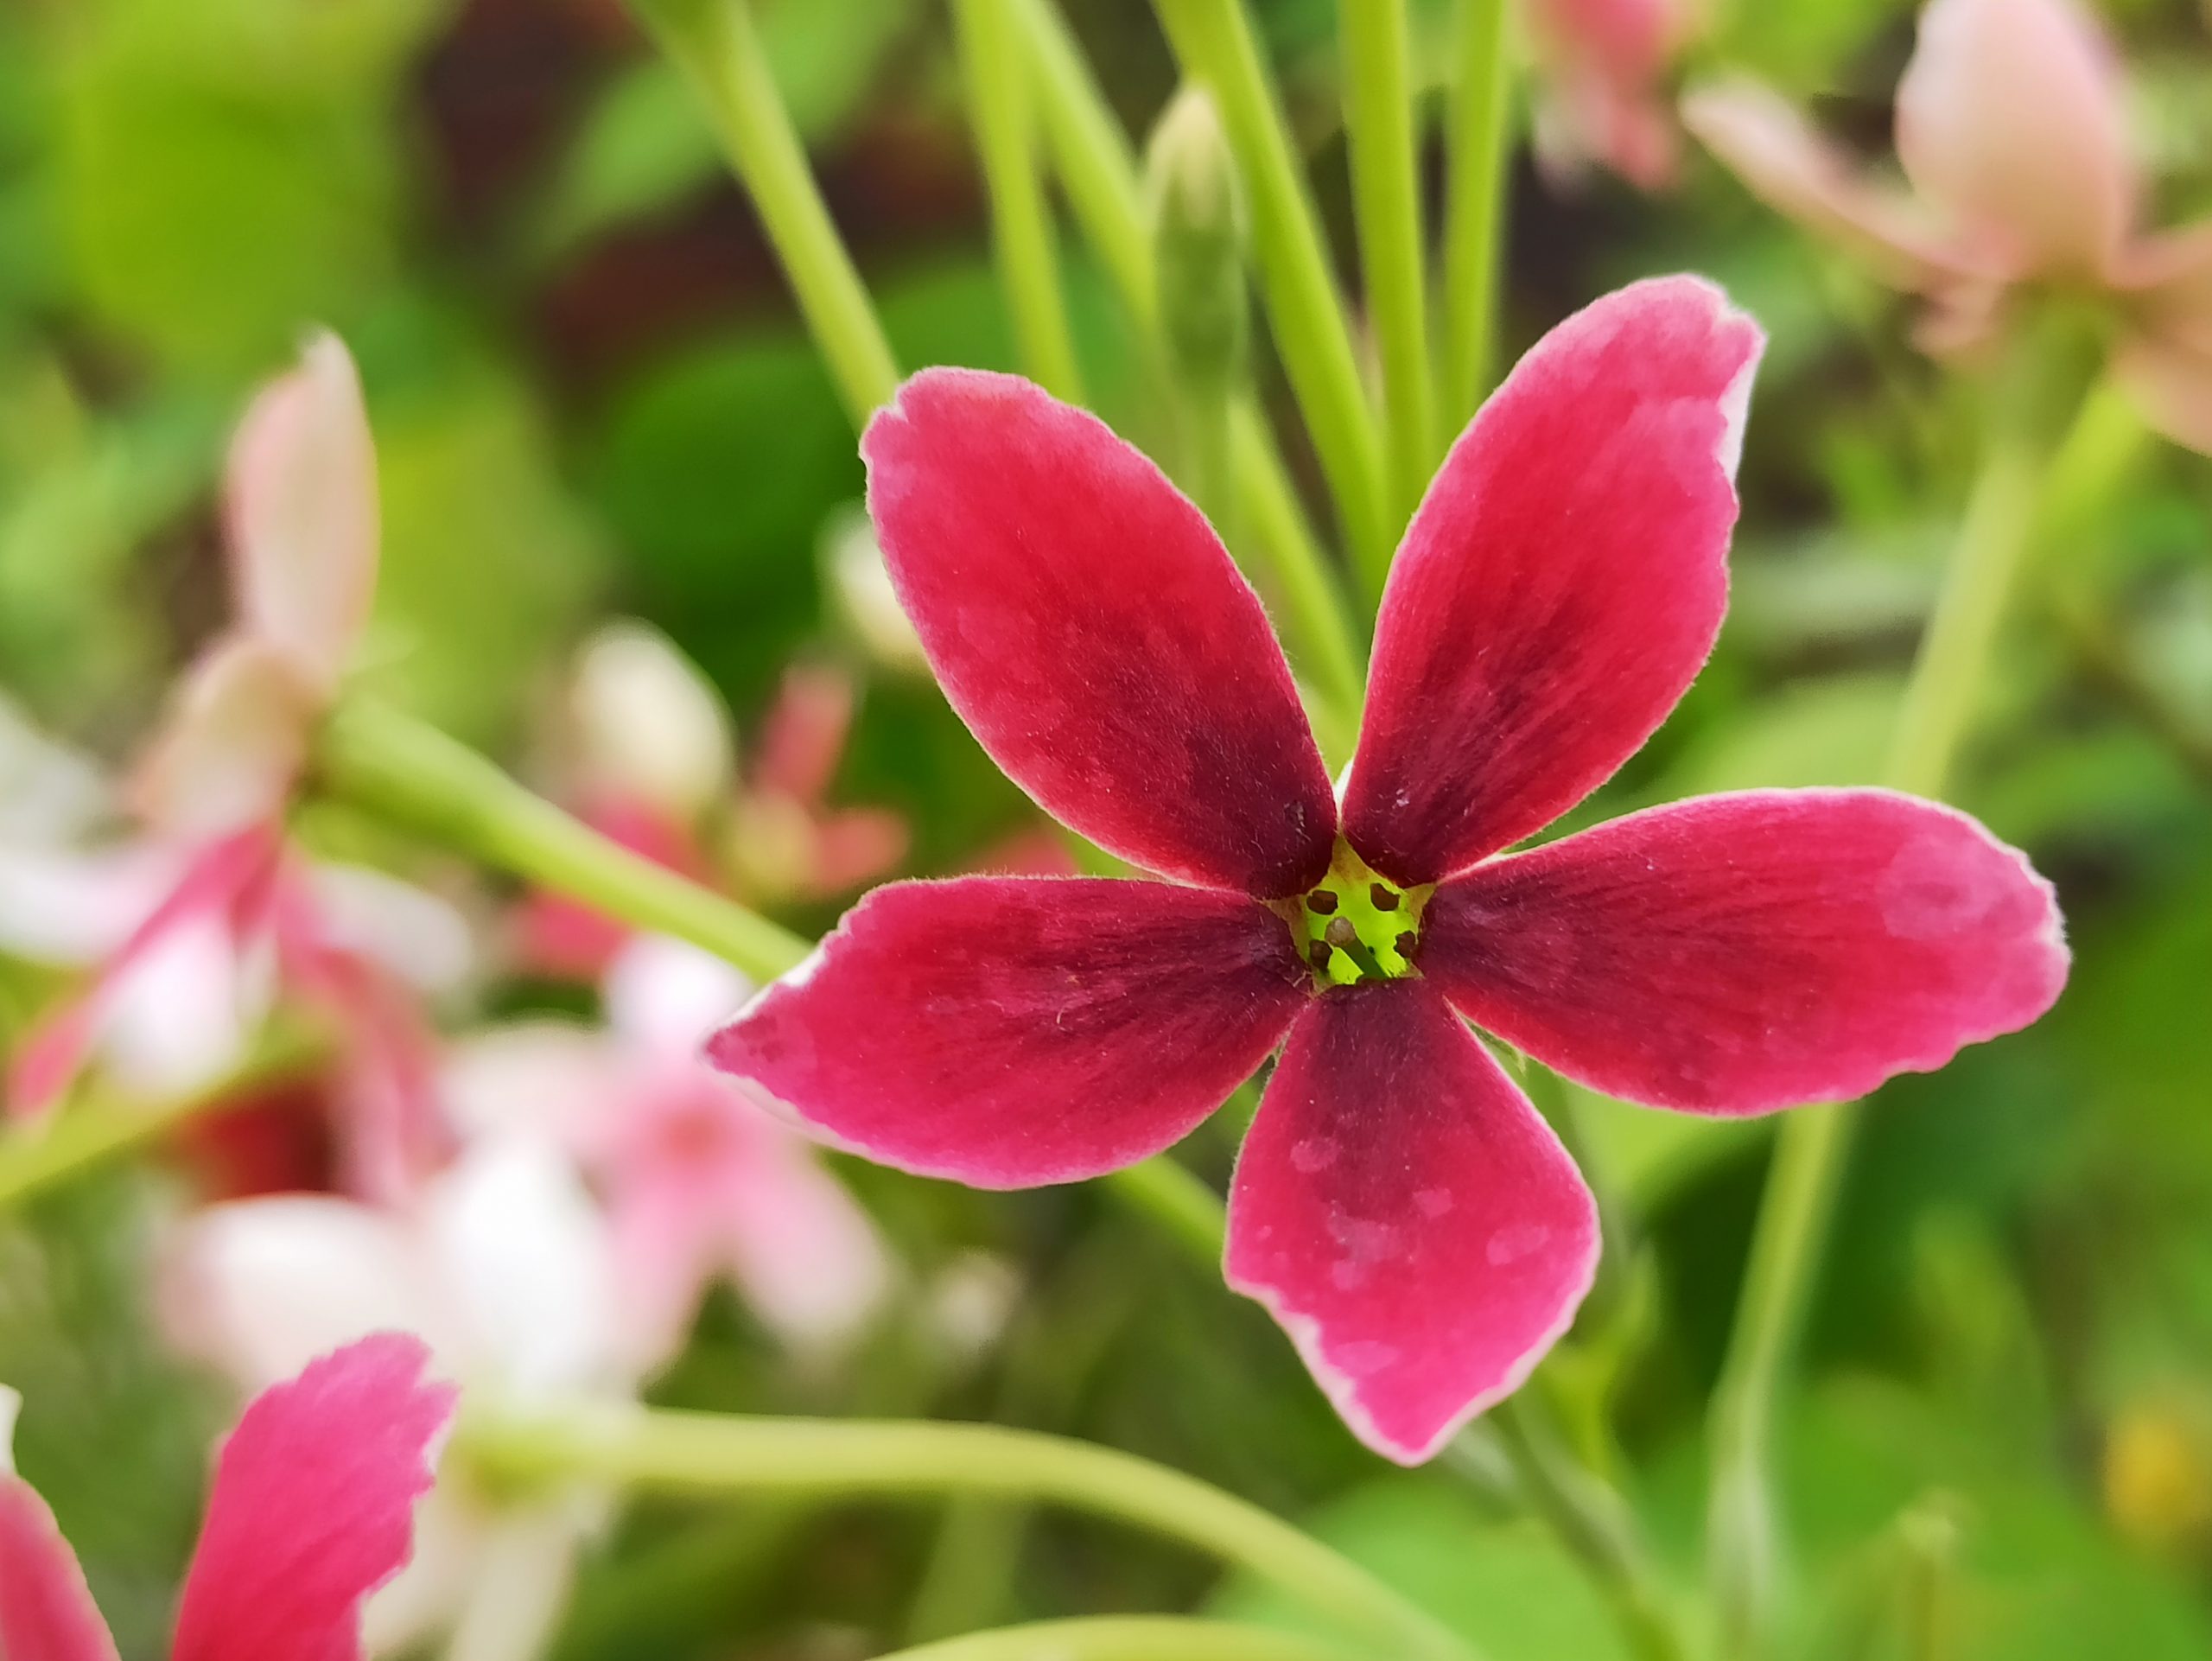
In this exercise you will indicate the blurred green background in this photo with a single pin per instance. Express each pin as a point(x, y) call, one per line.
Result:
point(591, 396)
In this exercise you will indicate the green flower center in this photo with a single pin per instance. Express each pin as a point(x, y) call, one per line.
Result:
point(1355, 925)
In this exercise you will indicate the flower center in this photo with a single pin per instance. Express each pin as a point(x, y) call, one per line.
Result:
point(1355, 925)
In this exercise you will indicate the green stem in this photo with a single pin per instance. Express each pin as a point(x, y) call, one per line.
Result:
point(1386, 203)
point(1022, 225)
point(1206, 423)
point(725, 1454)
point(1213, 41)
point(713, 44)
point(82, 1135)
point(1591, 1520)
point(1124, 1637)
point(1476, 140)
point(1099, 173)
point(1173, 1197)
point(1813, 1143)
point(389, 764)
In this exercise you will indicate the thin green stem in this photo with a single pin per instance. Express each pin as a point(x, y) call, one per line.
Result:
point(1213, 41)
point(713, 44)
point(391, 764)
point(1941, 698)
point(1478, 149)
point(724, 1453)
point(1174, 1198)
point(1393, 261)
point(1099, 172)
point(82, 1135)
point(1592, 1521)
point(1813, 1144)
point(999, 101)
point(1124, 1637)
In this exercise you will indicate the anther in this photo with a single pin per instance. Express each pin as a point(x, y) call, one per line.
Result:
point(1323, 901)
point(1318, 953)
point(1406, 944)
point(1385, 898)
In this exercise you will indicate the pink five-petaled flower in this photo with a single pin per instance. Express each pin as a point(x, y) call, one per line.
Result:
point(311, 1510)
point(2012, 127)
point(1398, 1204)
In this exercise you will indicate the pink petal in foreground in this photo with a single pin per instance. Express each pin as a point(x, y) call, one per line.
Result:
point(2011, 119)
point(47, 1612)
point(1091, 631)
point(303, 501)
point(312, 1507)
point(1006, 1032)
point(1733, 954)
point(1562, 583)
point(1408, 1216)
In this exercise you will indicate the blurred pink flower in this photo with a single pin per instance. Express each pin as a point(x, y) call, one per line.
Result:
point(1605, 65)
point(655, 766)
point(500, 1266)
point(309, 1512)
point(2012, 129)
point(698, 1182)
point(241, 921)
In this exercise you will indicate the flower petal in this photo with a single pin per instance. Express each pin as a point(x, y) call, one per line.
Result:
point(2011, 117)
point(222, 893)
point(1091, 631)
point(259, 1287)
point(1006, 1032)
point(302, 502)
point(1758, 136)
point(233, 743)
point(311, 1508)
point(47, 1612)
point(2170, 381)
point(1736, 953)
point(1562, 584)
point(1408, 1216)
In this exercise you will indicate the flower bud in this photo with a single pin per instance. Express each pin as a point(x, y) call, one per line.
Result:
point(1198, 243)
point(853, 563)
point(648, 726)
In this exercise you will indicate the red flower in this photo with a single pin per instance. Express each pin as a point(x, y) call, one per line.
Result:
point(1399, 1205)
point(310, 1511)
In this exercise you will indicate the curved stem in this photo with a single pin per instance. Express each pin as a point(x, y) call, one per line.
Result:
point(1124, 1637)
point(1175, 1199)
point(391, 764)
point(1474, 208)
point(1099, 173)
point(1213, 41)
point(1022, 222)
point(713, 44)
point(1592, 1521)
point(1813, 1143)
point(1386, 203)
point(720, 1454)
point(82, 1135)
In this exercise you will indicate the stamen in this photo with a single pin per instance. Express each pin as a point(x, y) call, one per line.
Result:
point(1317, 953)
point(1407, 942)
point(1385, 898)
point(1322, 900)
point(1342, 935)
